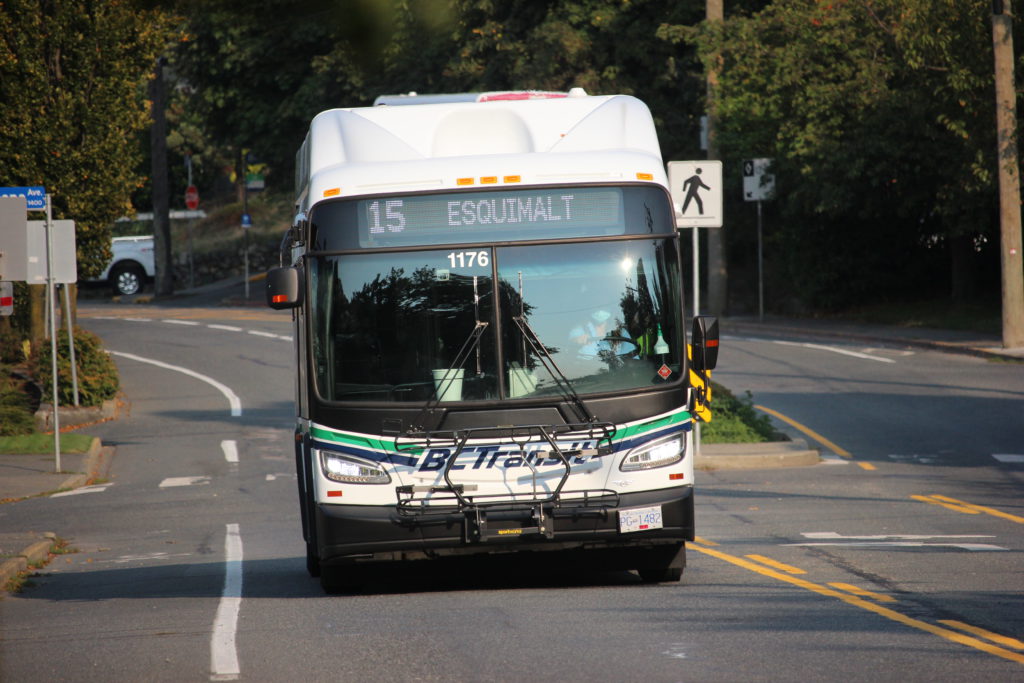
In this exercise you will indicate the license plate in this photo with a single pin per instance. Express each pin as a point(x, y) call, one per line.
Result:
point(640, 519)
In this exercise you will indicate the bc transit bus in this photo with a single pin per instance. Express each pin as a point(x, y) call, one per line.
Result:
point(489, 331)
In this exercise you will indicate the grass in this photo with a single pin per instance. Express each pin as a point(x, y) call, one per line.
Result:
point(41, 444)
point(735, 420)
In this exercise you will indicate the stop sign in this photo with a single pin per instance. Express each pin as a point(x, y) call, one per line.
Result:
point(192, 198)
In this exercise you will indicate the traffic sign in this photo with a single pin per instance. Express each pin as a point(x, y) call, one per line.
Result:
point(64, 266)
point(696, 189)
point(35, 196)
point(758, 184)
point(6, 298)
point(192, 198)
point(246, 220)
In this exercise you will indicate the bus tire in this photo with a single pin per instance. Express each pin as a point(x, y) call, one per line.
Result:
point(663, 564)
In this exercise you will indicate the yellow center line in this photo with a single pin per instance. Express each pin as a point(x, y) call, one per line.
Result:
point(994, 637)
point(808, 431)
point(704, 541)
point(776, 564)
point(948, 506)
point(867, 466)
point(980, 508)
point(864, 593)
point(893, 615)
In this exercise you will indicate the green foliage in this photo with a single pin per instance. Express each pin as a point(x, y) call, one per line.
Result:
point(98, 379)
point(38, 443)
point(70, 101)
point(735, 420)
point(15, 406)
point(879, 116)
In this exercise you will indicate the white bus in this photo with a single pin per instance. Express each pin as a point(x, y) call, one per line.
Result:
point(489, 327)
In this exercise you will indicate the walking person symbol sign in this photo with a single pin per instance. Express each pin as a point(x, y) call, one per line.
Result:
point(696, 188)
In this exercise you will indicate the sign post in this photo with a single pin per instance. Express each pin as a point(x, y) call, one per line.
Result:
point(30, 253)
point(696, 190)
point(758, 185)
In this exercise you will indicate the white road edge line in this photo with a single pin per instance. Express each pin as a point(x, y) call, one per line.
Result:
point(822, 347)
point(229, 328)
point(230, 448)
point(223, 652)
point(232, 397)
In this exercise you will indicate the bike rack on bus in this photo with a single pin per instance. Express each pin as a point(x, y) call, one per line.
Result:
point(474, 509)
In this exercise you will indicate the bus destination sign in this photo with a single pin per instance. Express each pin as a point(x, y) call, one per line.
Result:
point(503, 215)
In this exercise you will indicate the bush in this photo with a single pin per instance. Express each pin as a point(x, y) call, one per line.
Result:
point(735, 420)
point(98, 380)
point(15, 406)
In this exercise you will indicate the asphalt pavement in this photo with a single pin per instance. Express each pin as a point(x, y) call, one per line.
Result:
point(29, 476)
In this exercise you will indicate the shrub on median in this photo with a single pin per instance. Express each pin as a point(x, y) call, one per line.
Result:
point(98, 380)
point(15, 405)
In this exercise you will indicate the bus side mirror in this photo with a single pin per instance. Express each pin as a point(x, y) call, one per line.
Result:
point(705, 342)
point(284, 288)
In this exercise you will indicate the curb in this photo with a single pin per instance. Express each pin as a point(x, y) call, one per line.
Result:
point(749, 456)
point(73, 417)
point(35, 553)
point(92, 461)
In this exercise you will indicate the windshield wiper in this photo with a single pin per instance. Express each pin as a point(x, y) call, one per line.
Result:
point(468, 346)
point(564, 385)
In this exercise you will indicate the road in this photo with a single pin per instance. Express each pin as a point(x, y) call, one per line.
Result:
point(899, 558)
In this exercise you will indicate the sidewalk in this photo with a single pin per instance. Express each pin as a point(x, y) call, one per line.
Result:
point(27, 476)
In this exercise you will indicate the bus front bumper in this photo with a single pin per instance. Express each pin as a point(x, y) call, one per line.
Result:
point(354, 534)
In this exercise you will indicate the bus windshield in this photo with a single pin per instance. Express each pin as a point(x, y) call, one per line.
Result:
point(387, 326)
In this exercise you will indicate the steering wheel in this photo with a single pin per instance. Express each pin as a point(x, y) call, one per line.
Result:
point(618, 342)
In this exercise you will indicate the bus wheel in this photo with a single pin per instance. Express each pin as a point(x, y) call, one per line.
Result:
point(312, 560)
point(663, 564)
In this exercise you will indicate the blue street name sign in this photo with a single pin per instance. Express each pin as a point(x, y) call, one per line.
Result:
point(35, 197)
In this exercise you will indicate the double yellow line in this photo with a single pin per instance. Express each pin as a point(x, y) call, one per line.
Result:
point(971, 636)
point(967, 508)
point(838, 450)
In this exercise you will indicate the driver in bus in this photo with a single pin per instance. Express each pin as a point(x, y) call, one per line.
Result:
point(598, 334)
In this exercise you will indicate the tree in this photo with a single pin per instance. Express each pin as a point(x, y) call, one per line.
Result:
point(249, 72)
point(878, 114)
point(72, 103)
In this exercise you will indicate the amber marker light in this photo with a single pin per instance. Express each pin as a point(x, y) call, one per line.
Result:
point(333, 192)
point(645, 176)
point(512, 179)
point(489, 180)
point(464, 181)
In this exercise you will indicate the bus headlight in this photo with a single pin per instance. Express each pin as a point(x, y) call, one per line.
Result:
point(352, 470)
point(655, 454)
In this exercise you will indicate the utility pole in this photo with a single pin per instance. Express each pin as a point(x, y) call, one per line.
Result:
point(716, 264)
point(1009, 176)
point(161, 188)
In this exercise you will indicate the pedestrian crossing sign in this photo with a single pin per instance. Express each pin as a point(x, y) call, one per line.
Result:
point(696, 189)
